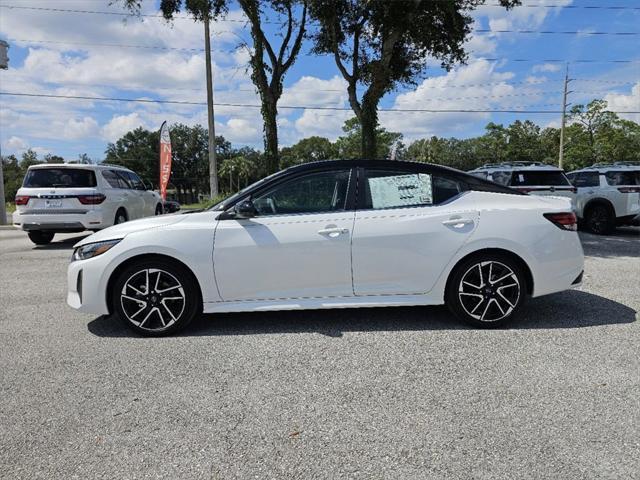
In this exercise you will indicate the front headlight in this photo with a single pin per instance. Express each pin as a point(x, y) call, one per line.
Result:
point(93, 249)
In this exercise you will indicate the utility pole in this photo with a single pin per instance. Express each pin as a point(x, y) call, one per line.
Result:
point(3, 205)
point(213, 172)
point(564, 115)
point(4, 64)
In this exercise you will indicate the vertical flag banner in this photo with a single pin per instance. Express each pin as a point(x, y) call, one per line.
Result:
point(165, 159)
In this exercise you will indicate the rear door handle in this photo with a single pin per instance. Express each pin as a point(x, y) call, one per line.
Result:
point(333, 232)
point(457, 222)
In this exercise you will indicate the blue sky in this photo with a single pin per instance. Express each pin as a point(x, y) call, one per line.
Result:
point(46, 57)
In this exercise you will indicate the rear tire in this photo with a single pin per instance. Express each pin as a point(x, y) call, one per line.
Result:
point(41, 238)
point(156, 297)
point(486, 290)
point(121, 217)
point(159, 210)
point(600, 220)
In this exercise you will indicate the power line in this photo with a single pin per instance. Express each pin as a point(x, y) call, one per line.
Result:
point(163, 47)
point(182, 17)
point(284, 107)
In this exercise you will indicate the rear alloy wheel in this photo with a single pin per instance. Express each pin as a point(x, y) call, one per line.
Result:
point(156, 297)
point(486, 291)
point(599, 220)
point(41, 238)
point(121, 217)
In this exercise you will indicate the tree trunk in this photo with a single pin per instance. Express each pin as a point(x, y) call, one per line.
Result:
point(369, 123)
point(269, 115)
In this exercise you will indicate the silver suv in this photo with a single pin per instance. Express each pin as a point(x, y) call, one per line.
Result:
point(608, 195)
point(529, 177)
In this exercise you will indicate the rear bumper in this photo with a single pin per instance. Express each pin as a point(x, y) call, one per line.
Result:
point(59, 223)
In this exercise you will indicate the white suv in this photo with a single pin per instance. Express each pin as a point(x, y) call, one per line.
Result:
point(57, 198)
point(529, 177)
point(608, 195)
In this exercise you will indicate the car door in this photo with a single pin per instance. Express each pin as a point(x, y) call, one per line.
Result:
point(586, 184)
point(297, 246)
point(407, 228)
point(138, 193)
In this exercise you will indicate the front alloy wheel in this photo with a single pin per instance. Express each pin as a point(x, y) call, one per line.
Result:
point(155, 297)
point(487, 291)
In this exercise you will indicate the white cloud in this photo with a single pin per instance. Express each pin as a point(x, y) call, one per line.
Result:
point(546, 67)
point(16, 143)
point(474, 87)
point(76, 129)
point(121, 124)
point(622, 102)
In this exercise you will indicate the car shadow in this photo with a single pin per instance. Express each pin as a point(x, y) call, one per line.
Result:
point(571, 309)
point(64, 244)
point(622, 242)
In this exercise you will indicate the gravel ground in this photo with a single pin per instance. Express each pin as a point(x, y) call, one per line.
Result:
point(371, 393)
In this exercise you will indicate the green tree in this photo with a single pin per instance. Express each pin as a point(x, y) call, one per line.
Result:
point(49, 158)
point(269, 62)
point(13, 174)
point(349, 145)
point(381, 45)
point(311, 149)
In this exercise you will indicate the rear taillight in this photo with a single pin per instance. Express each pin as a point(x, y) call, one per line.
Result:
point(563, 220)
point(91, 199)
point(629, 189)
point(22, 199)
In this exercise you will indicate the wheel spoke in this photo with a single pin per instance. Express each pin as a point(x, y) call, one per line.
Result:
point(157, 280)
point(481, 280)
point(146, 273)
point(134, 299)
point(490, 273)
point(472, 285)
point(471, 294)
point(168, 289)
point(134, 289)
point(141, 309)
point(502, 278)
point(164, 324)
point(147, 317)
point(168, 311)
point(499, 307)
point(501, 295)
point(486, 309)
point(477, 305)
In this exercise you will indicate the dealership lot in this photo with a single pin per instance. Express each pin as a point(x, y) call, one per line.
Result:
point(371, 393)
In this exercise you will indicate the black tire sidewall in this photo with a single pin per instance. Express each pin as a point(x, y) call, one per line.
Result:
point(193, 302)
point(609, 225)
point(120, 213)
point(453, 302)
point(41, 238)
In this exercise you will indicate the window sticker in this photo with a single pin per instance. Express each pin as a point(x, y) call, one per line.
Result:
point(401, 190)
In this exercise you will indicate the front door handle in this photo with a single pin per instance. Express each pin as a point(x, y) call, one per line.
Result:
point(333, 231)
point(457, 222)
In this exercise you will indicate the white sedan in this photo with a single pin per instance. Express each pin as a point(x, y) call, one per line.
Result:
point(335, 234)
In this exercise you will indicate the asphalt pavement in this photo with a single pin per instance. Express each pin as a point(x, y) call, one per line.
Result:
point(394, 393)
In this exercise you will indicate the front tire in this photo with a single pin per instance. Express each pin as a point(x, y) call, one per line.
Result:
point(41, 238)
point(156, 297)
point(599, 220)
point(486, 290)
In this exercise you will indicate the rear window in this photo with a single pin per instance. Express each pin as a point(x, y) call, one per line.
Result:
point(623, 178)
point(59, 178)
point(538, 177)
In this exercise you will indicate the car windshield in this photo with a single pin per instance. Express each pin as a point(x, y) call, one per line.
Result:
point(623, 177)
point(59, 178)
point(538, 177)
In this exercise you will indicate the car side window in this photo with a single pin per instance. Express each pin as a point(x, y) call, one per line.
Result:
point(114, 179)
point(134, 180)
point(394, 189)
point(586, 179)
point(312, 193)
point(501, 177)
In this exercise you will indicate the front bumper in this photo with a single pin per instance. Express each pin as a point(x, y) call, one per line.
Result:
point(86, 291)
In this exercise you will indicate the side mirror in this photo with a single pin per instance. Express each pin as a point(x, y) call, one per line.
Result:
point(245, 209)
